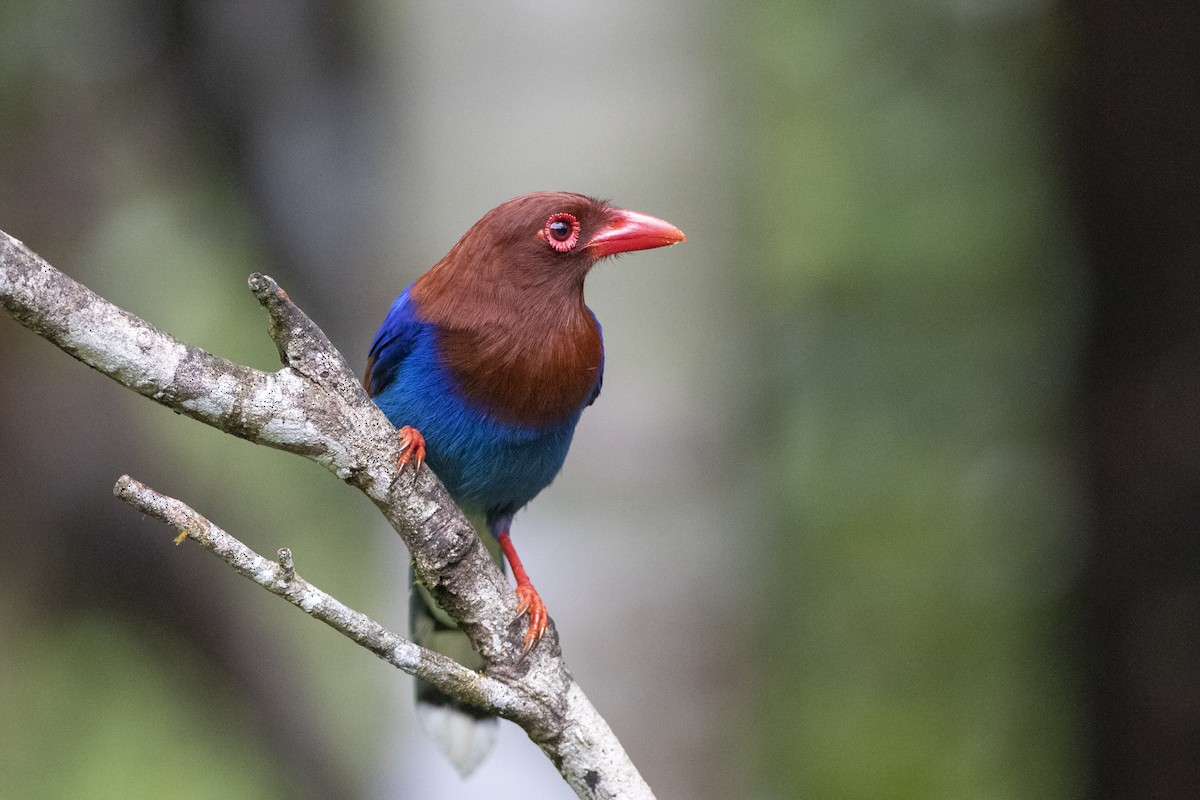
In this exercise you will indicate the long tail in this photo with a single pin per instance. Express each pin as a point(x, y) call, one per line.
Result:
point(466, 734)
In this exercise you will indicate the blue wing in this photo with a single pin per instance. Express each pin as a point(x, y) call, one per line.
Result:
point(600, 372)
point(394, 342)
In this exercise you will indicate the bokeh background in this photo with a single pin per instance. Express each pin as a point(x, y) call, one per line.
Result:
point(894, 488)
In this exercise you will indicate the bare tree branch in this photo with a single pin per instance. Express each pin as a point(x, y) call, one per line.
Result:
point(281, 579)
point(314, 406)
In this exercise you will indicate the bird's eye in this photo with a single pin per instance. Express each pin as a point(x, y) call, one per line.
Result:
point(562, 231)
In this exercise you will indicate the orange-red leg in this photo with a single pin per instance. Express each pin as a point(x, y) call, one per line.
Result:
point(528, 599)
point(412, 445)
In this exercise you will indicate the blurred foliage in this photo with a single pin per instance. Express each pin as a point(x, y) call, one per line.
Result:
point(902, 256)
point(104, 691)
point(109, 688)
point(923, 311)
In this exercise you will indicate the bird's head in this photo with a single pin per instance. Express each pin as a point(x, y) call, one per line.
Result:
point(507, 302)
point(551, 239)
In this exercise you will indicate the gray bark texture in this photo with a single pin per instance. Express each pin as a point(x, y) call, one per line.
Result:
point(314, 406)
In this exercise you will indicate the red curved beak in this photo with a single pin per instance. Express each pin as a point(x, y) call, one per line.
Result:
point(630, 230)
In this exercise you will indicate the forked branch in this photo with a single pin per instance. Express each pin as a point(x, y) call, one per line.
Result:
point(315, 407)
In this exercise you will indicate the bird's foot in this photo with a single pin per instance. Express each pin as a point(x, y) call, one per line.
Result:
point(412, 447)
point(530, 602)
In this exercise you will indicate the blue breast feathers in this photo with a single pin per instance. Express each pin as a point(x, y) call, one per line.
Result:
point(487, 466)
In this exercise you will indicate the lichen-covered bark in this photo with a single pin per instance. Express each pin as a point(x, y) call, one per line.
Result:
point(315, 407)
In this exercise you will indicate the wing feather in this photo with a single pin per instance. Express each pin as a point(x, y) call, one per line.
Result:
point(393, 343)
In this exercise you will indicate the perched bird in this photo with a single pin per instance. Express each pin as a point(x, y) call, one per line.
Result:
point(485, 364)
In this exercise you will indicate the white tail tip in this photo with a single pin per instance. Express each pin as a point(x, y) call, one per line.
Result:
point(466, 740)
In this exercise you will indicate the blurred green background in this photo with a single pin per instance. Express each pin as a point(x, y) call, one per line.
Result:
point(893, 488)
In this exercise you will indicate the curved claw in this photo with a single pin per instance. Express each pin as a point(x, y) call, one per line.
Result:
point(412, 446)
point(530, 602)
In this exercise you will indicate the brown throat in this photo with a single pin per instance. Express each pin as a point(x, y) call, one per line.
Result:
point(522, 375)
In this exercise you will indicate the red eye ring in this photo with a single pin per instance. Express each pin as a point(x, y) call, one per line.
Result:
point(562, 231)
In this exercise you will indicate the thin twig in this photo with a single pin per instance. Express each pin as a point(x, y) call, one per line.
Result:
point(281, 579)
